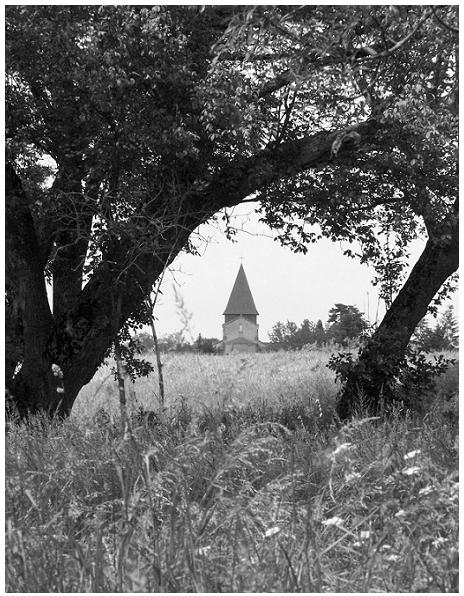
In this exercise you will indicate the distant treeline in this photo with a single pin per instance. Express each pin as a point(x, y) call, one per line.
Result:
point(345, 324)
point(176, 342)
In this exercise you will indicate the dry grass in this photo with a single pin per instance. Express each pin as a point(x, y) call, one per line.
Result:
point(204, 381)
point(247, 485)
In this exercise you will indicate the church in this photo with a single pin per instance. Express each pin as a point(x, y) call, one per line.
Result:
point(240, 327)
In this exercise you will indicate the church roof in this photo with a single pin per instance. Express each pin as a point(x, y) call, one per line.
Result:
point(241, 301)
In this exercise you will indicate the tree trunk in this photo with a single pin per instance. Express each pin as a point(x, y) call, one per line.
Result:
point(159, 364)
point(77, 337)
point(34, 387)
point(387, 347)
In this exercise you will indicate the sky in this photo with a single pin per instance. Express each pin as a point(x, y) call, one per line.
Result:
point(285, 286)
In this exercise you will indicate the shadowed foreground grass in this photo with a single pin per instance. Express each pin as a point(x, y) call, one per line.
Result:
point(260, 497)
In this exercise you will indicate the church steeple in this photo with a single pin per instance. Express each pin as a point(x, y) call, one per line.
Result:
point(240, 327)
point(241, 300)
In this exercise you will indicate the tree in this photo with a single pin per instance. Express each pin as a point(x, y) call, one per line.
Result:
point(174, 342)
point(305, 334)
point(206, 345)
point(320, 335)
point(444, 336)
point(345, 322)
point(289, 336)
point(146, 342)
point(277, 334)
point(129, 126)
point(284, 335)
point(450, 328)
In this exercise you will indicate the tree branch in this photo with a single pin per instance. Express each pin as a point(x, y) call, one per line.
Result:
point(340, 55)
point(242, 177)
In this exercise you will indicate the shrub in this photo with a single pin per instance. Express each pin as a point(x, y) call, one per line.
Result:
point(405, 382)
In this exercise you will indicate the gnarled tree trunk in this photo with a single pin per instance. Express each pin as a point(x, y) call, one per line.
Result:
point(78, 334)
point(387, 347)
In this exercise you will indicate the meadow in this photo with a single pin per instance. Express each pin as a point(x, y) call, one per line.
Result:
point(245, 482)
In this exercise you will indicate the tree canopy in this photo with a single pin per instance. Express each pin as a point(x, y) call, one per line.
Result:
point(345, 322)
point(442, 336)
point(128, 126)
point(290, 336)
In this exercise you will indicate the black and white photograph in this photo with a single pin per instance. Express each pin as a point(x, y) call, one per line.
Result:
point(231, 298)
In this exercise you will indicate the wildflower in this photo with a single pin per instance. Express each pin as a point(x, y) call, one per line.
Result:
point(438, 541)
point(400, 513)
point(333, 521)
point(392, 557)
point(410, 471)
point(352, 476)
point(57, 372)
point(204, 550)
point(412, 454)
point(364, 534)
point(454, 490)
point(426, 490)
point(272, 531)
point(341, 448)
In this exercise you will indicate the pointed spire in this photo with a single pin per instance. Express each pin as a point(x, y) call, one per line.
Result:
point(241, 300)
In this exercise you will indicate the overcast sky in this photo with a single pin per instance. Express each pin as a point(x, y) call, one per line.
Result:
point(285, 286)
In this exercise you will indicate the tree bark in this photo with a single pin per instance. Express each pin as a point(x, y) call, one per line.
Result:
point(387, 347)
point(159, 364)
point(34, 386)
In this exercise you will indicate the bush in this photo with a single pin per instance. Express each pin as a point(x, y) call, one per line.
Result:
point(405, 382)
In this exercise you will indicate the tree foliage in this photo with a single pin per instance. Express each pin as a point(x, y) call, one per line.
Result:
point(443, 336)
point(128, 126)
point(345, 323)
point(290, 336)
point(403, 384)
point(206, 345)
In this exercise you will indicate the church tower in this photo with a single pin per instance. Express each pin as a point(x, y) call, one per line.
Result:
point(240, 329)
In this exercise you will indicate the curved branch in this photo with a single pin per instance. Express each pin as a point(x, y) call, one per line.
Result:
point(242, 177)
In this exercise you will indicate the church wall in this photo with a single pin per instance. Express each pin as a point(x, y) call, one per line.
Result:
point(230, 318)
point(241, 348)
point(238, 329)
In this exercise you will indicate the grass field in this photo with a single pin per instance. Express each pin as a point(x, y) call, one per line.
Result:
point(246, 484)
point(208, 381)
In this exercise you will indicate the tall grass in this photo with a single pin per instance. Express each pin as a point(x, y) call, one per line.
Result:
point(208, 381)
point(248, 486)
